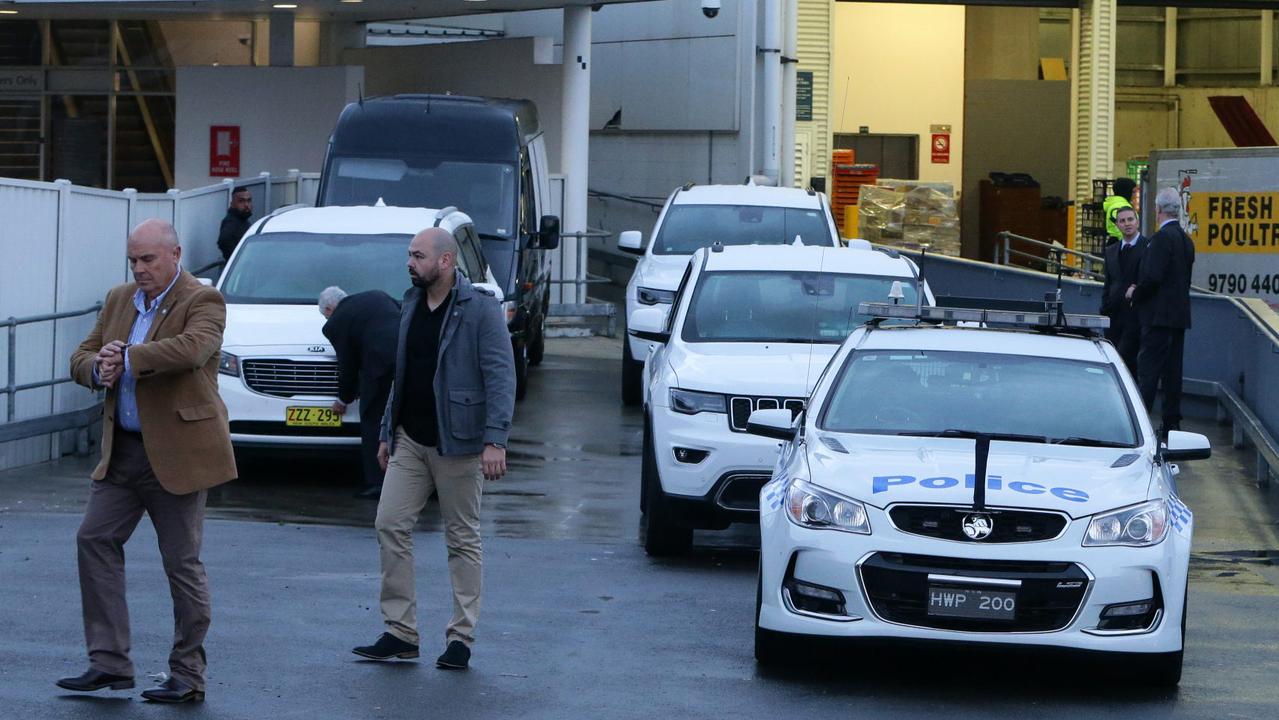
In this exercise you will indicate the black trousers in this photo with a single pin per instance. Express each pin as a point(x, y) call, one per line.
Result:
point(1125, 334)
point(373, 397)
point(1159, 363)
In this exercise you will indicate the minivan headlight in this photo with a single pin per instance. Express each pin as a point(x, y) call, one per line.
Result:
point(228, 364)
point(653, 296)
point(1137, 526)
point(508, 310)
point(813, 507)
point(691, 402)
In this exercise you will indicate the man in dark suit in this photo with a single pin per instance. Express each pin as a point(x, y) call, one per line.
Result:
point(165, 441)
point(1162, 299)
point(363, 329)
point(236, 222)
point(1122, 261)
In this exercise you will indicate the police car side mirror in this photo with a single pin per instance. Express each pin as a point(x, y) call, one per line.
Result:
point(490, 288)
point(1183, 446)
point(650, 324)
point(777, 424)
point(631, 241)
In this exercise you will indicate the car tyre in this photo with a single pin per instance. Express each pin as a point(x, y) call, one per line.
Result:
point(770, 646)
point(537, 348)
point(521, 370)
point(662, 536)
point(632, 378)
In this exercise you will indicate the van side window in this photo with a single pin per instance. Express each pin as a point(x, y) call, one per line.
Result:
point(528, 209)
point(470, 258)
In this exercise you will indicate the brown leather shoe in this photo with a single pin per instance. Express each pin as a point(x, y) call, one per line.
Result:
point(93, 680)
point(173, 690)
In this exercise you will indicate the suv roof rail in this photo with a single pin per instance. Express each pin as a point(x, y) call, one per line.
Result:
point(688, 185)
point(443, 213)
point(1046, 316)
point(890, 252)
point(276, 212)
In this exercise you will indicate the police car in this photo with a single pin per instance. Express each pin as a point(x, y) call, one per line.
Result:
point(749, 327)
point(698, 216)
point(998, 482)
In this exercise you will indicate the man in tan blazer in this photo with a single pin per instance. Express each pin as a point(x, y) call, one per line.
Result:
point(165, 441)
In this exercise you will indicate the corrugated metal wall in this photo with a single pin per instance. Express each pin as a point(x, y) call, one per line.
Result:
point(814, 56)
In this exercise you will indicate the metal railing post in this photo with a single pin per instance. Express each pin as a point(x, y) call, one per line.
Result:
point(266, 190)
point(11, 393)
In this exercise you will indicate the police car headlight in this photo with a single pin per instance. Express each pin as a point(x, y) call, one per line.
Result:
point(1137, 526)
point(811, 506)
point(653, 296)
point(228, 364)
point(689, 402)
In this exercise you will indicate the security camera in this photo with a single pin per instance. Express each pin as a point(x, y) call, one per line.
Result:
point(710, 8)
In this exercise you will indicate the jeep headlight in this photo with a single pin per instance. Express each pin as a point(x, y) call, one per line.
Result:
point(690, 402)
point(653, 296)
point(1137, 526)
point(813, 507)
point(228, 364)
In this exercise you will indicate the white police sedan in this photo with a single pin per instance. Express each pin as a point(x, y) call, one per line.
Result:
point(979, 485)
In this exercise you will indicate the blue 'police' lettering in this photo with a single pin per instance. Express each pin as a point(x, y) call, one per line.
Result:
point(881, 482)
point(938, 483)
point(993, 482)
point(1070, 494)
point(1029, 488)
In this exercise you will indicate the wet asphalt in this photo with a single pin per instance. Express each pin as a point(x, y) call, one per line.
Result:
point(577, 621)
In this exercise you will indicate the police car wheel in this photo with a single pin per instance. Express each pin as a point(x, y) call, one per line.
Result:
point(632, 377)
point(662, 536)
point(770, 646)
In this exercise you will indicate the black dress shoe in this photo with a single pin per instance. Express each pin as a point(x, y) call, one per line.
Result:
point(387, 647)
point(457, 656)
point(96, 680)
point(173, 690)
point(372, 492)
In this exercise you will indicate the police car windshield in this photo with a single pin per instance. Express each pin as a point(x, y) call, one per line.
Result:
point(483, 190)
point(689, 227)
point(779, 306)
point(928, 393)
point(292, 268)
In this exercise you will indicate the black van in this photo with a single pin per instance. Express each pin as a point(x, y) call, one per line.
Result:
point(487, 157)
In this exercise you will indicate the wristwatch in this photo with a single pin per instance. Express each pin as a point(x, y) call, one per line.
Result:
point(497, 445)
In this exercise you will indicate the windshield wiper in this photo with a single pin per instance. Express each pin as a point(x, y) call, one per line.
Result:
point(1087, 442)
point(972, 435)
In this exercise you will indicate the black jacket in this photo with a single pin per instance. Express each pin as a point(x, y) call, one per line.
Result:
point(234, 225)
point(1162, 296)
point(1121, 272)
point(363, 330)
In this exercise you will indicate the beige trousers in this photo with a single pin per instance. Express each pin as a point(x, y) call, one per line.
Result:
point(413, 472)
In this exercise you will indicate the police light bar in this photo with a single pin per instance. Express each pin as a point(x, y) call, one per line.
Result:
point(1044, 319)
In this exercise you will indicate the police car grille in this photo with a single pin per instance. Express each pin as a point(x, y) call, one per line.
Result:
point(945, 522)
point(1049, 597)
point(286, 378)
point(740, 408)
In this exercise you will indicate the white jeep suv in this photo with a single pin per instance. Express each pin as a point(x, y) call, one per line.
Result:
point(750, 328)
point(697, 216)
point(278, 374)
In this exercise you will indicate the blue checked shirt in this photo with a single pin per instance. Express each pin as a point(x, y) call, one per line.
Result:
point(126, 403)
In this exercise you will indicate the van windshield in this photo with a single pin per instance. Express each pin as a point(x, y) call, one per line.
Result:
point(292, 268)
point(689, 227)
point(483, 190)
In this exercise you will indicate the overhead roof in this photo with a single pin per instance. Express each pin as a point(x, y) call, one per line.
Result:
point(366, 11)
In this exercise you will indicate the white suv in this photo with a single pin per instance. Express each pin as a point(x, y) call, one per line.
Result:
point(697, 216)
point(965, 484)
point(278, 374)
point(750, 328)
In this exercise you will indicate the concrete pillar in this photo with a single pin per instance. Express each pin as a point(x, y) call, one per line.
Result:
point(337, 37)
point(1094, 122)
point(575, 146)
point(1267, 47)
point(281, 39)
point(790, 53)
point(771, 56)
point(1170, 47)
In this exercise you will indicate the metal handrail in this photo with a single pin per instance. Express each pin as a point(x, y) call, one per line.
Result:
point(12, 389)
point(1086, 260)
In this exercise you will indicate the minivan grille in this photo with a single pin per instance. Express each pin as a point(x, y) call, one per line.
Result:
point(740, 408)
point(287, 378)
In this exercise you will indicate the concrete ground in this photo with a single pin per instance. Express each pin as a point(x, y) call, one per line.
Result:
point(577, 621)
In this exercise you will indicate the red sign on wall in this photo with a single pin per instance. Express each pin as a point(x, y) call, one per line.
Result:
point(224, 151)
point(941, 148)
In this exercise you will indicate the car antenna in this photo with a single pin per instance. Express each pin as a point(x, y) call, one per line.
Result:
point(360, 90)
point(979, 472)
point(1052, 300)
